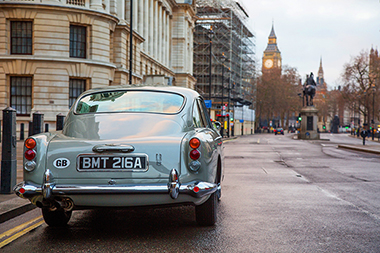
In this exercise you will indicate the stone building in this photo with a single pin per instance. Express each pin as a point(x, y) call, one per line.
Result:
point(52, 50)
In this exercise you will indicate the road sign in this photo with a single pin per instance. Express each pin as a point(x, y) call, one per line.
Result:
point(241, 121)
point(208, 103)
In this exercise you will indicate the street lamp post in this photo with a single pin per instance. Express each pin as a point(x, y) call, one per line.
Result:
point(373, 112)
point(228, 102)
point(242, 116)
point(223, 59)
point(130, 42)
point(210, 35)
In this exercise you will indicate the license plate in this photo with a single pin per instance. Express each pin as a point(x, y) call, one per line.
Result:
point(112, 163)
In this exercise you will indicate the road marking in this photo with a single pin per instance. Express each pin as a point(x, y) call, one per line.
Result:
point(22, 230)
point(258, 141)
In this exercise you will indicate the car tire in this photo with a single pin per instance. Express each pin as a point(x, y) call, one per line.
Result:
point(206, 213)
point(57, 218)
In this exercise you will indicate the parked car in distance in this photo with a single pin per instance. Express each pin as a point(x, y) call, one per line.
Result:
point(127, 147)
point(279, 131)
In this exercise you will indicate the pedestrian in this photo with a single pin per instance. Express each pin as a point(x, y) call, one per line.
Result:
point(363, 135)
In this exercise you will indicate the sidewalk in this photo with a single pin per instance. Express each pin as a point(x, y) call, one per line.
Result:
point(12, 206)
point(369, 148)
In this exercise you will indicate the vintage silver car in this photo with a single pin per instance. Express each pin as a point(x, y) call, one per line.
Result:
point(127, 147)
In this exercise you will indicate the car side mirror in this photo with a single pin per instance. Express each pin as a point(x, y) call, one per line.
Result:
point(217, 125)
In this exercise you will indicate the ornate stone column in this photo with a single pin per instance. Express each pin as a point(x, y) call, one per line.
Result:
point(96, 5)
point(151, 27)
point(135, 14)
point(140, 24)
point(146, 25)
point(159, 30)
point(121, 9)
point(155, 29)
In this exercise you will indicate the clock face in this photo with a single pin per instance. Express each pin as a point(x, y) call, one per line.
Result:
point(268, 63)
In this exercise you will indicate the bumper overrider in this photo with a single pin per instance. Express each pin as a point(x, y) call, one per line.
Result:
point(49, 190)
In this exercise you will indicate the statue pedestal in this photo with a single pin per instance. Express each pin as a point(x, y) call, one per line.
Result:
point(309, 115)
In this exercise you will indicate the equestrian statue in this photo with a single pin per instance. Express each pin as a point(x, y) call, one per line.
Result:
point(309, 89)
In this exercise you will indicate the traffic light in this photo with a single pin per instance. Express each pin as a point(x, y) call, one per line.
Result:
point(232, 119)
point(299, 117)
point(324, 127)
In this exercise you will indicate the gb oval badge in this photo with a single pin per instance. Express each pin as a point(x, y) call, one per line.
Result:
point(61, 163)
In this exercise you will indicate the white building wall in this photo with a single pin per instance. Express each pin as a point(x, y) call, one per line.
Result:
point(162, 46)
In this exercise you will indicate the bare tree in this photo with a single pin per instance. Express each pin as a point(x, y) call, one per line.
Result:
point(276, 95)
point(359, 85)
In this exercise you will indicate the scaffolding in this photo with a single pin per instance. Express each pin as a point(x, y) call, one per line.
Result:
point(233, 38)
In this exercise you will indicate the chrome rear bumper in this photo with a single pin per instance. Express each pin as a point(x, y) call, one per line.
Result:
point(49, 189)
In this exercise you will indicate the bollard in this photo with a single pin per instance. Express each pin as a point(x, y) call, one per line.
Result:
point(8, 155)
point(46, 127)
point(38, 123)
point(60, 120)
point(22, 129)
point(30, 129)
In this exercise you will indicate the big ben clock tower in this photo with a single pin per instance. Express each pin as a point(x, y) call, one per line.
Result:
point(272, 55)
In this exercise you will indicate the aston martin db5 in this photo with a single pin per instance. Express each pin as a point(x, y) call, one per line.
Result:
point(127, 147)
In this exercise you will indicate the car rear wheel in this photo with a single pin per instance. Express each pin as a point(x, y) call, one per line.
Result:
point(206, 213)
point(57, 218)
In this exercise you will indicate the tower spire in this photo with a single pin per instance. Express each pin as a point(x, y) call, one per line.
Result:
point(272, 33)
point(320, 71)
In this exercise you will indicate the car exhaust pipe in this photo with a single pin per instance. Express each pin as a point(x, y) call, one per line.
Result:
point(67, 204)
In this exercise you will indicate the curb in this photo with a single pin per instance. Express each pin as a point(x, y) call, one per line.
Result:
point(363, 149)
point(13, 208)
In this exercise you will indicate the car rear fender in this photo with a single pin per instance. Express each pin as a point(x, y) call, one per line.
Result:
point(208, 159)
point(42, 143)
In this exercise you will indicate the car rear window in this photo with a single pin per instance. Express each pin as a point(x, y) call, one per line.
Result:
point(130, 101)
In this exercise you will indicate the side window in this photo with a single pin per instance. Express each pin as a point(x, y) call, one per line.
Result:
point(198, 120)
point(204, 113)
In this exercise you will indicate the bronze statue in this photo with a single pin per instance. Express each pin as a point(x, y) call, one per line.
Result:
point(309, 89)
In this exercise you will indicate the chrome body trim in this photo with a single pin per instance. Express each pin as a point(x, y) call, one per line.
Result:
point(50, 190)
point(113, 148)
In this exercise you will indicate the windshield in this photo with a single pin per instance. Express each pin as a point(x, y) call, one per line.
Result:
point(130, 101)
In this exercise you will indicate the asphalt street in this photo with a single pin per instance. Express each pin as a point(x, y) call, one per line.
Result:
point(279, 195)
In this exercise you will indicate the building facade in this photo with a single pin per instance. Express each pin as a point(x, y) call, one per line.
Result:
point(51, 51)
point(224, 60)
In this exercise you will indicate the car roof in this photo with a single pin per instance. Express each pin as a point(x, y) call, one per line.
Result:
point(176, 89)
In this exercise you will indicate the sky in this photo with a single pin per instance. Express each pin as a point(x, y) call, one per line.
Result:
point(308, 30)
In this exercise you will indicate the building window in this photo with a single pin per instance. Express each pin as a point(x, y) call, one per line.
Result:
point(21, 37)
point(77, 41)
point(76, 87)
point(21, 94)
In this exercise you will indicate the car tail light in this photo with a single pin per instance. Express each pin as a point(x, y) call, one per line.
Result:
point(195, 154)
point(30, 154)
point(30, 143)
point(194, 143)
